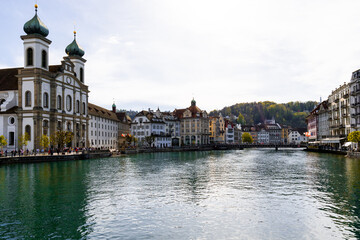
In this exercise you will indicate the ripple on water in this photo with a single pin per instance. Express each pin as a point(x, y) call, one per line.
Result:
point(250, 194)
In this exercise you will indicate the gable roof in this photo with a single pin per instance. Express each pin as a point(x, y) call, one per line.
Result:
point(123, 117)
point(101, 112)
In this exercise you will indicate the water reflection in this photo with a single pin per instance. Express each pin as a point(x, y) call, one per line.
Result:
point(251, 194)
point(337, 181)
point(43, 200)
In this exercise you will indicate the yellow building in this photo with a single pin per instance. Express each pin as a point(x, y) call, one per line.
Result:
point(284, 134)
point(217, 129)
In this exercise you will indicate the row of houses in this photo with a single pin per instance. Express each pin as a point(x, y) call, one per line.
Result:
point(271, 132)
point(332, 120)
point(193, 126)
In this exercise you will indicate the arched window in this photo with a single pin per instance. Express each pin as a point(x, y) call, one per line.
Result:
point(44, 59)
point(27, 99)
point(59, 103)
point(84, 110)
point(82, 75)
point(28, 131)
point(59, 125)
point(45, 127)
point(68, 126)
point(46, 100)
point(29, 57)
point(77, 106)
point(68, 103)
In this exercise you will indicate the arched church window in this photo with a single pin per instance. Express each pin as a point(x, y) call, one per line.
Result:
point(77, 106)
point(59, 103)
point(83, 109)
point(46, 100)
point(68, 103)
point(29, 57)
point(28, 131)
point(59, 125)
point(44, 59)
point(45, 126)
point(82, 75)
point(27, 99)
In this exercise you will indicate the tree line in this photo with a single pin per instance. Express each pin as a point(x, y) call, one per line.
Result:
point(292, 113)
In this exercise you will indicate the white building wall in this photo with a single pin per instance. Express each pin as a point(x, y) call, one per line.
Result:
point(103, 133)
point(38, 46)
point(28, 86)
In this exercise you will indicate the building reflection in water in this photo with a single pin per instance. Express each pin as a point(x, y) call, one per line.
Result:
point(43, 200)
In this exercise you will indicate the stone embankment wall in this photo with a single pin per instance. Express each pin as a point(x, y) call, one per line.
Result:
point(53, 158)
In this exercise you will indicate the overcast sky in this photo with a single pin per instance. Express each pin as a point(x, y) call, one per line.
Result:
point(149, 53)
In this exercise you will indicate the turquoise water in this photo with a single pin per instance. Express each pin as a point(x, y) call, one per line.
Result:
point(249, 194)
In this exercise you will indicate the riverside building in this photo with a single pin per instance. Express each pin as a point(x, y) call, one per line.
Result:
point(103, 127)
point(355, 100)
point(40, 99)
point(162, 128)
point(339, 113)
point(195, 125)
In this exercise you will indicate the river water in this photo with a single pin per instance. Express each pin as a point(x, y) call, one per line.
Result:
point(248, 194)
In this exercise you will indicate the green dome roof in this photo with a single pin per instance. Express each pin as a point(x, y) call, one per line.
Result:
point(73, 49)
point(36, 26)
point(113, 105)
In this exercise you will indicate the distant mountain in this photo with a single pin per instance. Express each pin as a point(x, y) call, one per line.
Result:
point(292, 114)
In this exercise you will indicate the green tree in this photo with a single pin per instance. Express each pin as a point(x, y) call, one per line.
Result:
point(63, 138)
point(241, 119)
point(3, 142)
point(44, 141)
point(354, 137)
point(246, 138)
point(24, 139)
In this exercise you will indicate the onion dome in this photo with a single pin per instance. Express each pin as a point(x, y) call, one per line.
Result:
point(73, 49)
point(193, 102)
point(36, 26)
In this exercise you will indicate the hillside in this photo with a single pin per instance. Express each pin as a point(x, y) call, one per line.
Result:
point(292, 114)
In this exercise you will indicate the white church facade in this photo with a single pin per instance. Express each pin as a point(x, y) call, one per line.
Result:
point(40, 99)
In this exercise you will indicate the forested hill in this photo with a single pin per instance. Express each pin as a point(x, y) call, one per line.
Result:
point(292, 114)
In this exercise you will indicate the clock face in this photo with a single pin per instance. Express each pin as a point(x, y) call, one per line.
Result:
point(68, 80)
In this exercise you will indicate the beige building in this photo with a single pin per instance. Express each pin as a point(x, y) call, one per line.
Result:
point(194, 125)
point(339, 112)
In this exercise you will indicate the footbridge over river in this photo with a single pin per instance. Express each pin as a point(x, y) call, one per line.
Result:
point(242, 146)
